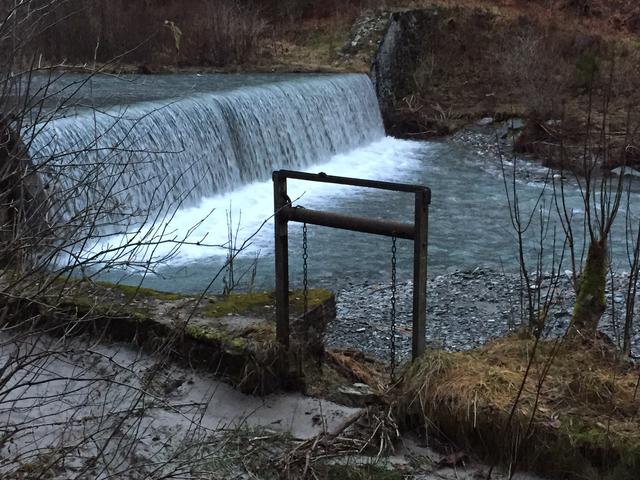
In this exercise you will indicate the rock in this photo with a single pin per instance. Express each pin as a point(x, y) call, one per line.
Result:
point(627, 172)
point(399, 52)
point(486, 121)
point(515, 123)
point(358, 393)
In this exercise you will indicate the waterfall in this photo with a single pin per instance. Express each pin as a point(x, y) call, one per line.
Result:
point(135, 159)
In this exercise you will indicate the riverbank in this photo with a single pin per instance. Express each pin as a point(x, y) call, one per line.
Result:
point(183, 419)
point(465, 310)
point(176, 421)
point(566, 409)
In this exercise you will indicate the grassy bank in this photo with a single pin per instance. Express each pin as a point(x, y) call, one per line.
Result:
point(564, 409)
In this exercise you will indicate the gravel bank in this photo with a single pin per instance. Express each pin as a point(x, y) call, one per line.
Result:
point(465, 310)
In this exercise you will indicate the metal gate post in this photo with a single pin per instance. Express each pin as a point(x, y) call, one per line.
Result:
point(281, 200)
point(418, 232)
point(420, 274)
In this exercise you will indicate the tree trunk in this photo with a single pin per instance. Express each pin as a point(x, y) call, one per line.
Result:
point(590, 298)
point(22, 200)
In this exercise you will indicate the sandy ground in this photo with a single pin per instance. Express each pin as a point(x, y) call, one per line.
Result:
point(77, 409)
point(110, 409)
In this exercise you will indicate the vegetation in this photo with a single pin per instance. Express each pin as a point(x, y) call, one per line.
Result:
point(562, 408)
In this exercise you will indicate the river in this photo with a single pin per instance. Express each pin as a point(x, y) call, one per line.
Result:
point(200, 148)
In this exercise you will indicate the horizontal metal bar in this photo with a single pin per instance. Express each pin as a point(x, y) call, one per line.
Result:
point(356, 182)
point(348, 222)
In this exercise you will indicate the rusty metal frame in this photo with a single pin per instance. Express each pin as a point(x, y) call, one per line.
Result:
point(417, 231)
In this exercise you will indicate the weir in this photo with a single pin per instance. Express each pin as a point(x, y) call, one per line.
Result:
point(135, 159)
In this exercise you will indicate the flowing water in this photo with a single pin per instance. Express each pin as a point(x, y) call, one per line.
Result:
point(201, 149)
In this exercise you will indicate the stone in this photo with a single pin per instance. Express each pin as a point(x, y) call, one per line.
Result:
point(627, 172)
point(486, 121)
point(515, 123)
point(359, 393)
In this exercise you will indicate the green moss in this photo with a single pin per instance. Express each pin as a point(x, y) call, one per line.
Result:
point(587, 69)
point(212, 335)
point(82, 304)
point(595, 440)
point(610, 456)
point(238, 303)
point(141, 317)
point(136, 291)
point(585, 434)
point(261, 303)
point(315, 298)
point(590, 302)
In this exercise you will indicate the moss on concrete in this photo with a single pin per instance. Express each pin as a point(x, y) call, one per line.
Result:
point(244, 350)
point(136, 291)
point(261, 304)
point(315, 298)
point(85, 305)
point(253, 303)
point(217, 338)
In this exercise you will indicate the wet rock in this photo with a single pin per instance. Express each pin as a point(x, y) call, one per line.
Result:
point(484, 122)
point(358, 393)
point(516, 124)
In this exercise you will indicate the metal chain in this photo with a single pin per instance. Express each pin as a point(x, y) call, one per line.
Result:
point(392, 344)
point(305, 279)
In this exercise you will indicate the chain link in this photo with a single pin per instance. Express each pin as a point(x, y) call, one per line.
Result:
point(305, 277)
point(392, 343)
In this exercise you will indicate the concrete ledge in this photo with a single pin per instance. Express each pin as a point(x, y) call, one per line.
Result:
point(232, 336)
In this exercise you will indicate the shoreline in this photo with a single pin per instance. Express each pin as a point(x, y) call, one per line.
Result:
point(465, 310)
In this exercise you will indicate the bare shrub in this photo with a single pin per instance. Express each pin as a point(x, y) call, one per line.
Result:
point(294, 10)
point(218, 32)
point(536, 62)
point(225, 34)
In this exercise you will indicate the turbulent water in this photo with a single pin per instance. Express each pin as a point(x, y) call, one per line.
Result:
point(174, 152)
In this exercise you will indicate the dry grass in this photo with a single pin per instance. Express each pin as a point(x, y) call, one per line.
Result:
point(301, 34)
point(312, 45)
point(577, 415)
point(613, 19)
point(498, 60)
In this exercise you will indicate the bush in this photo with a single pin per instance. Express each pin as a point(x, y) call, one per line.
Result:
point(215, 32)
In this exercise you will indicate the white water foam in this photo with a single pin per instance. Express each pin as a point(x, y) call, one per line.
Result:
point(201, 231)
